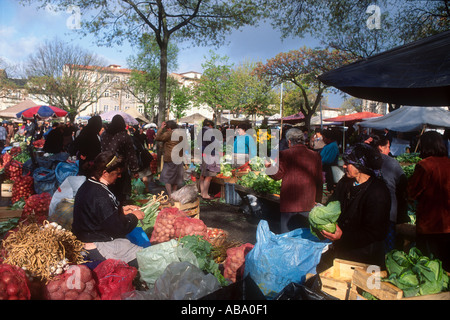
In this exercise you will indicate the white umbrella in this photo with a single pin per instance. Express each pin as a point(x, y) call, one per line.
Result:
point(129, 120)
point(150, 125)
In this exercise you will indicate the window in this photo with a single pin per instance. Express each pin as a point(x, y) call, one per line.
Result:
point(106, 94)
point(116, 108)
point(140, 109)
point(105, 108)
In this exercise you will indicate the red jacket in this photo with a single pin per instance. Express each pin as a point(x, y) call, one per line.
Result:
point(430, 186)
point(301, 171)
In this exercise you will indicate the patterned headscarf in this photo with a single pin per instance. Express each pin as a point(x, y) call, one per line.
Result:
point(365, 158)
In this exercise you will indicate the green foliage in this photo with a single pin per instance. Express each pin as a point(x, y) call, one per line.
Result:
point(415, 273)
point(261, 183)
point(202, 249)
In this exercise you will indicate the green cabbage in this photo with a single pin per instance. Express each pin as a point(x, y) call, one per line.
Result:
point(324, 218)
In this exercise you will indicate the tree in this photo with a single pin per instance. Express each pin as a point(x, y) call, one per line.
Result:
point(214, 88)
point(362, 27)
point(352, 104)
point(250, 94)
point(181, 100)
point(202, 22)
point(66, 76)
point(144, 80)
point(301, 67)
point(7, 86)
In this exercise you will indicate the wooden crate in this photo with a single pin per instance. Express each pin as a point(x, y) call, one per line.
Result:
point(192, 209)
point(336, 281)
point(384, 291)
point(6, 213)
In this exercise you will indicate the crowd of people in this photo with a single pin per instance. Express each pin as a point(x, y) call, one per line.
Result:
point(373, 192)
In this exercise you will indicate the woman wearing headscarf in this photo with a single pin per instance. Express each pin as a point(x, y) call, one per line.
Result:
point(88, 142)
point(100, 221)
point(430, 187)
point(116, 139)
point(365, 208)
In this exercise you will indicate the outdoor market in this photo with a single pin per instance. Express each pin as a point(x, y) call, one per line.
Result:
point(107, 215)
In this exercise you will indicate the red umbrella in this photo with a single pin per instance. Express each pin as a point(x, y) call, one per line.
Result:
point(359, 116)
point(42, 112)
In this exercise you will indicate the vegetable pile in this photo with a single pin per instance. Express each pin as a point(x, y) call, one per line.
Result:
point(44, 251)
point(408, 162)
point(415, 273)
point(76, 283)
point(260, 183)
point(13, 170)
point(202, 250)
point(186, 226)
point(22, 188)
point(324, 218)
point(13, 283)
point(151, 209)
point(164, 229)
point(38, 206)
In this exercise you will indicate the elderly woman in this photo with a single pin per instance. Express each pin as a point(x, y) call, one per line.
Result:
point(365, 208)
point(430, 186)
point(301, 172)
point(99, 220)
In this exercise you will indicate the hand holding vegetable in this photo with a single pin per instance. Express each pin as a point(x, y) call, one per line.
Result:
point(136, 210)
point(332, 236)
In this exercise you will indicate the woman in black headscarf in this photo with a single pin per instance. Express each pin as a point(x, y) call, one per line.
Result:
point(88, 142)
point(116, 139)
point(365, 207)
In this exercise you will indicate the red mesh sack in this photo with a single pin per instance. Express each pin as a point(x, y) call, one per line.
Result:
point(76, 283)
point(13, 283)
point(234, 264)
point(186, 226)
point(114, 277)
point(164, 229)
point(23, 188)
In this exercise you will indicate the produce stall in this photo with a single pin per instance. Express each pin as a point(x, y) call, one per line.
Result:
point(40, 257)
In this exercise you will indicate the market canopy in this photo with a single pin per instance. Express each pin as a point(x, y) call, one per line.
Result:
point(137, 115)
point(410, 118)
point(11, 112)
point(193, 118)
point(358, 116)
point(415, 74)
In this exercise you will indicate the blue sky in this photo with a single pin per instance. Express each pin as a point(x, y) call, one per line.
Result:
point(22, 29)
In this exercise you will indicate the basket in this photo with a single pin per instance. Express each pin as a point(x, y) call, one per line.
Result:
point(217, 237)
point(191, 209)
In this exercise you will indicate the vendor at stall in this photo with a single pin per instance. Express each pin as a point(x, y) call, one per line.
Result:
point(210, 166)
point(244, 147)
point(99, 220)
point(365, 203)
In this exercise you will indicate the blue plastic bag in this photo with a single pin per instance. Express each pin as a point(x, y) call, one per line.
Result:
point(139, 237)
point(64, 170)
point(277, 260)
point(44, 181)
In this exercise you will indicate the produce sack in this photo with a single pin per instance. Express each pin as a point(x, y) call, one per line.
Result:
point(67, 190)
point(37, 205)
point(184, 281)
point(13, 283)
point(164, 229)
point(44, 181)
point(76, 283)
point(234, 264)
point(324, 218)
point(186, 226)
point(63, 214)
point(277, 260)
point(154, 260)
point(186, 194)
point(64, 170)
point(115, 278)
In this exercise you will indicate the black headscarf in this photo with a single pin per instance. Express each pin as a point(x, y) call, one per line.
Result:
point(117, 125)
point(365, 158)
point(93, 126)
